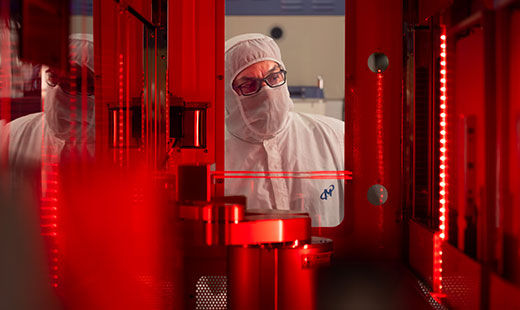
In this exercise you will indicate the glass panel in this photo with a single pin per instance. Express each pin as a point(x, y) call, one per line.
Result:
point(47, 114)
point(285, 143)
point(46, 87)
point(319, 193)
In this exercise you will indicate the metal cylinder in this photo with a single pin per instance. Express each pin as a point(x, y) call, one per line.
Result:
point(276, 276)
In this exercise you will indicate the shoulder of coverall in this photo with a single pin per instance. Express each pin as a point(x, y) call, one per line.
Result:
point(18, 131)
point(27, 128)
point(23, 124)
point(28, 125)
point(331, 127)
point(322, 120)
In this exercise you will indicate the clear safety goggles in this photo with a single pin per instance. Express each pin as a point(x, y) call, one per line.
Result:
point(253, 85)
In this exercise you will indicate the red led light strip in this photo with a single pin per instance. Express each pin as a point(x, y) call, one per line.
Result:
point(73, 99)
point(440, 236)
point(380, 153)
point(49, 202)
point(128, 99)
point(379, 127)
point(121, 111)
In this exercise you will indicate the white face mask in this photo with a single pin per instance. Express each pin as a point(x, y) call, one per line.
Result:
point(60, 116)
point(260, 116)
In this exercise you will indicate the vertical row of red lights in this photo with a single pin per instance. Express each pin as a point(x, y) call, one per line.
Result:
point(49, 210)
point(440, 236)
point(49, 201)
point(379, 128)
point(380, 157)
point(121, 110)
point(128, 97)
point(74, 97)
point(443, 140)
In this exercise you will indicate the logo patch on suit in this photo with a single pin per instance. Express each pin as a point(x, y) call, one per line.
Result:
point(327, 192)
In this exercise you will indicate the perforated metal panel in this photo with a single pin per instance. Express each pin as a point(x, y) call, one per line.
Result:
point(211, 293)
point(461, 290)
point(425, 290)
point(461, 279)
point(156, 293)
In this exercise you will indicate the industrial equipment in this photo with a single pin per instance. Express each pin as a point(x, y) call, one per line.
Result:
point(130, 212)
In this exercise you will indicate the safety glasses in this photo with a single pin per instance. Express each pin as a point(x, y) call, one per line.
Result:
point(253, 86)
point(72, 81)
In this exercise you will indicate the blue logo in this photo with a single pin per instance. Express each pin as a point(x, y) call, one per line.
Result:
point(327, 192)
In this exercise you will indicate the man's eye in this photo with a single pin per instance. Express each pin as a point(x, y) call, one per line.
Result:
point(251, 85)
point(274, 77)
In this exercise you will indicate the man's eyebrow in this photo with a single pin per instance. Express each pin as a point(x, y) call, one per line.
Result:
point(276, 67)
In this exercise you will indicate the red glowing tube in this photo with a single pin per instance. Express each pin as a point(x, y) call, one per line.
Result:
point(440, 236)
point(328, 175)
point(282, 172)
point(114, 114)
point(197, 128)
point(314, 177)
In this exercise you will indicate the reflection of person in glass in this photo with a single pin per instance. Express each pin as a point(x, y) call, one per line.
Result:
point(263, 134)
point(31, 147)
point(67, 120)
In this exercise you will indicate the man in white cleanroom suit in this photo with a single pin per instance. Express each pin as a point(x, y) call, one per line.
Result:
point(67, 120)
point(263, 134)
